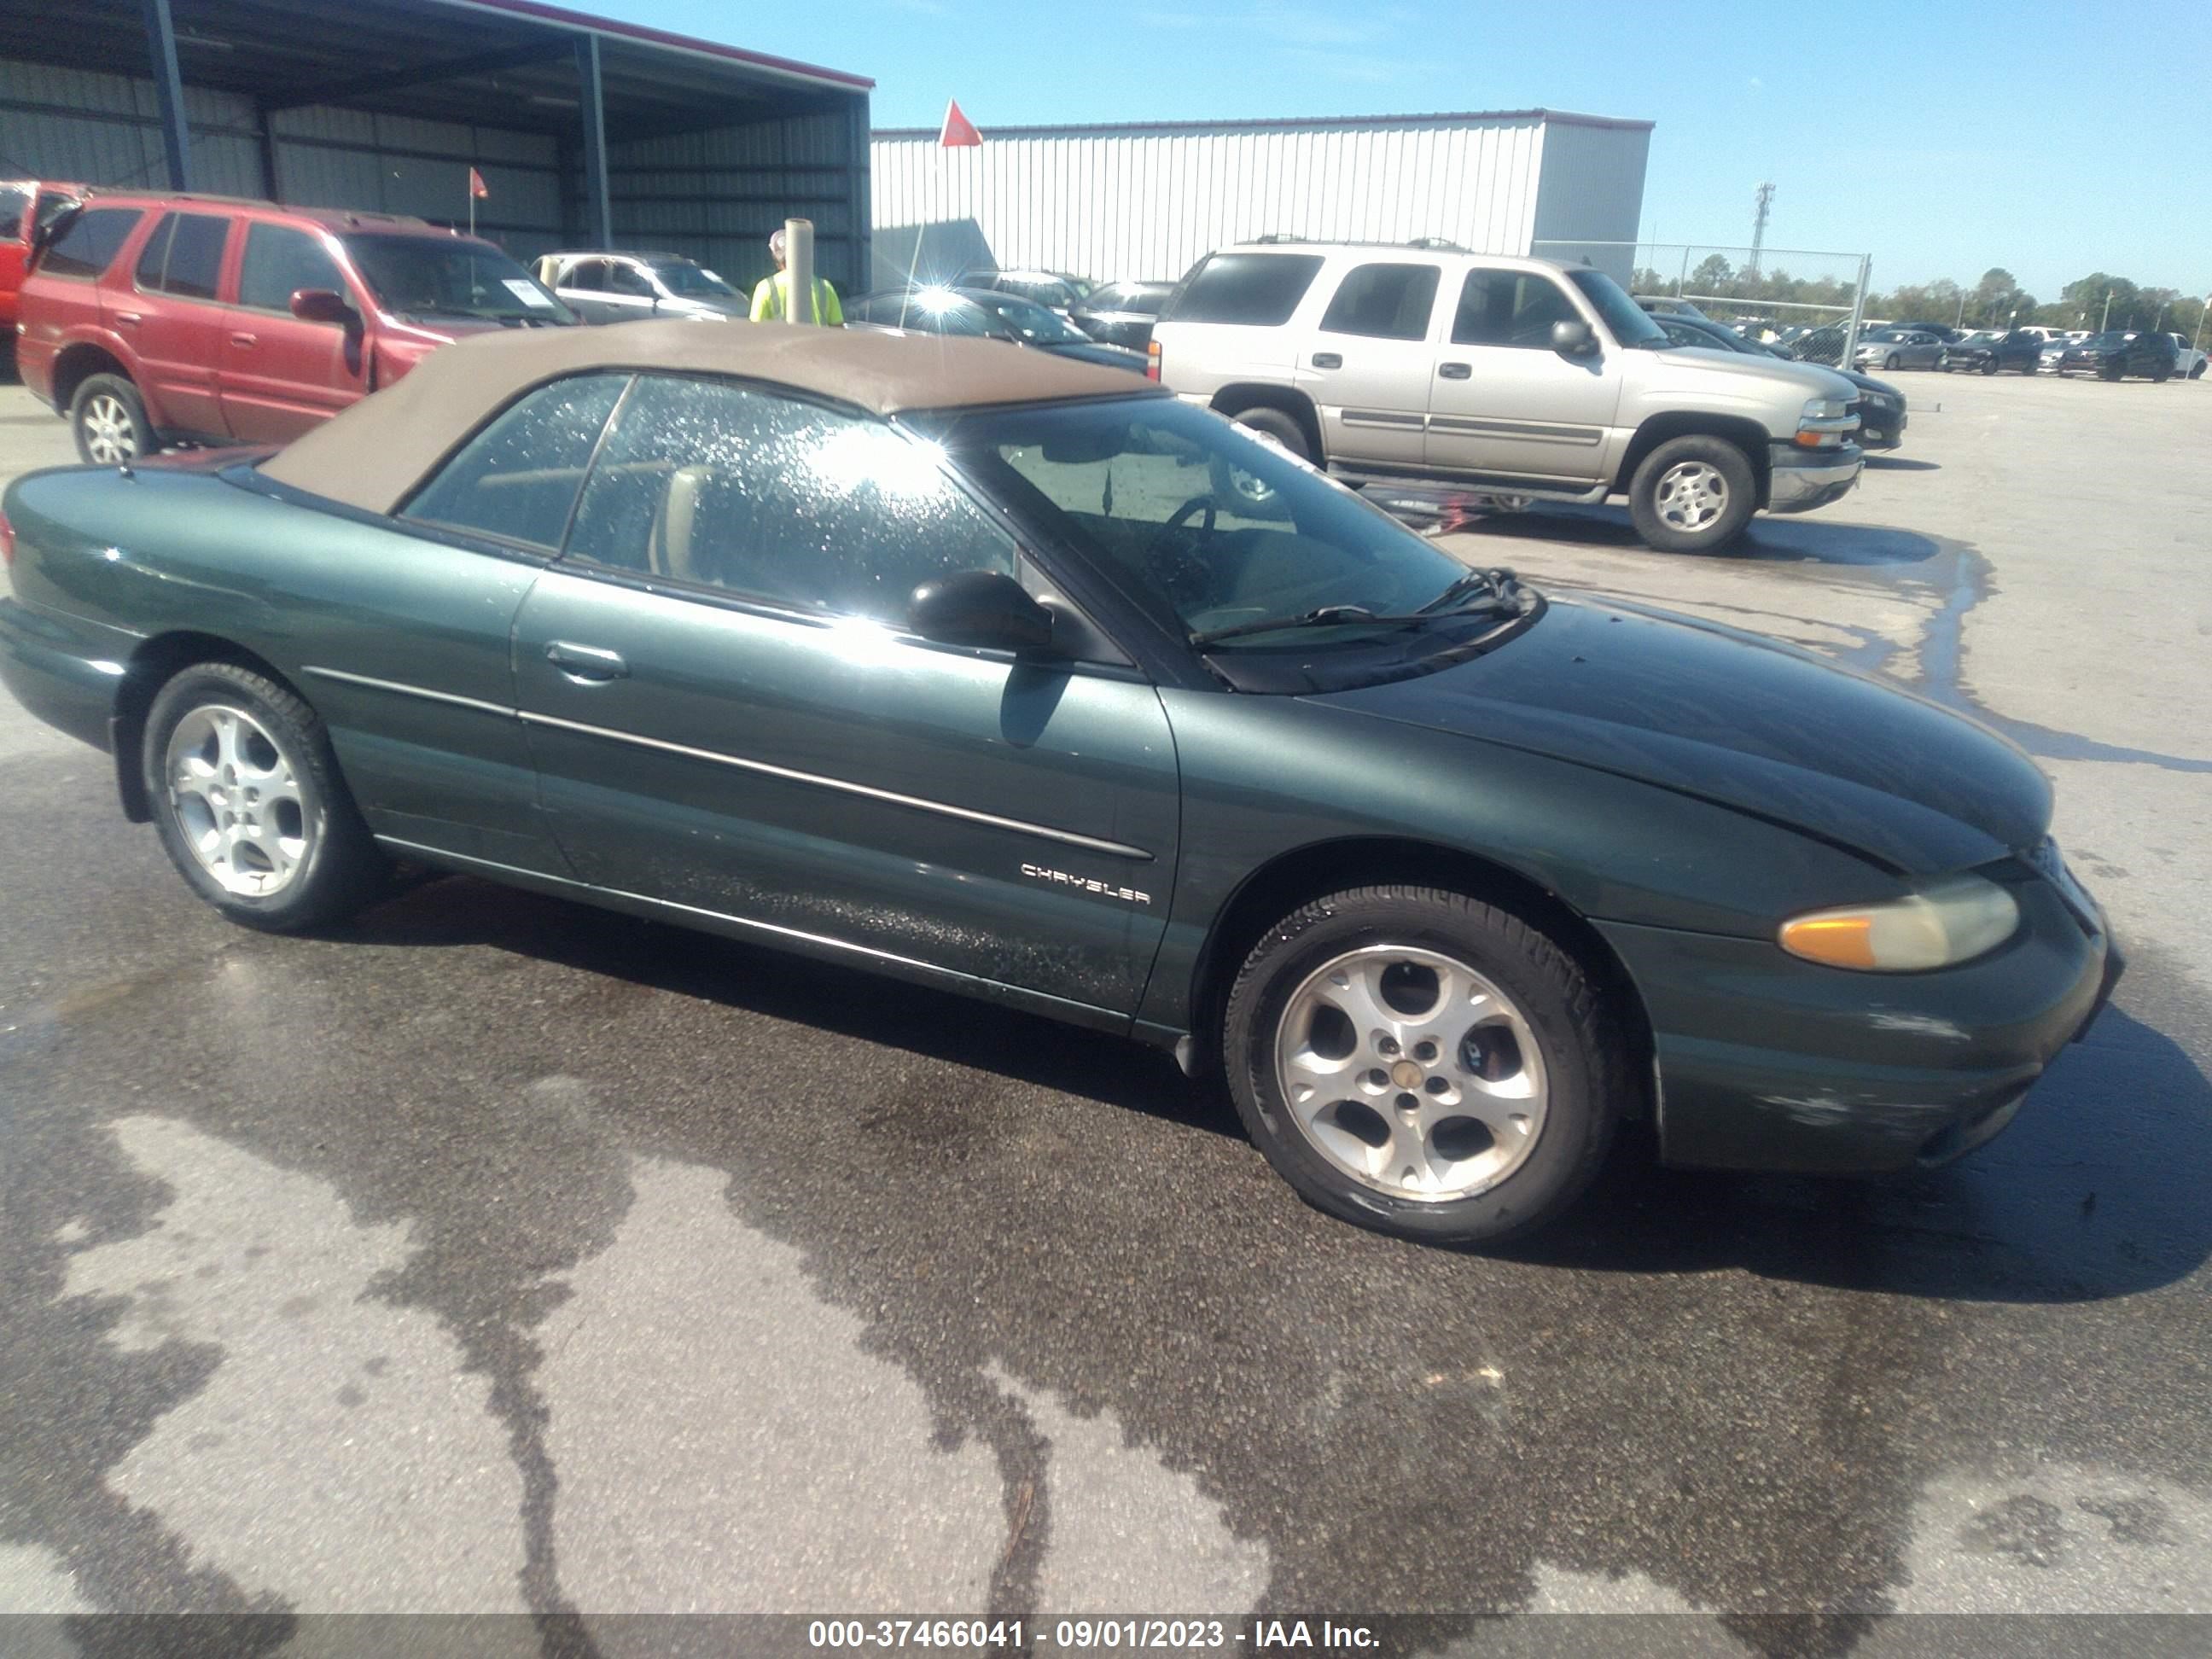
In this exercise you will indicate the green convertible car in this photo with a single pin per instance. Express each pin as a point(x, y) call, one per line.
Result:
point(1017, 676)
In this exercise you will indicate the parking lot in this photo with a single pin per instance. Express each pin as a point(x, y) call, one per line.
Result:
point(503, 1255)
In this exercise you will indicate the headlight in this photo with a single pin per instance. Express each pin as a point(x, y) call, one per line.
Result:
point(1953, 921)
point(1823, 423)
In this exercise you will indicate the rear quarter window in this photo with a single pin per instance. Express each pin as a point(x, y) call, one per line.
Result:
point(1258, 290)
point(91, 241)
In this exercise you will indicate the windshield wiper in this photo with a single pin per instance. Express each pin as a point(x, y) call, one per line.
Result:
point(1326, 615)
point(1499, 582)
point(1330, 615)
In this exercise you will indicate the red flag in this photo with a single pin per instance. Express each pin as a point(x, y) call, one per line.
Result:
point(959, 131)
point(477, 187)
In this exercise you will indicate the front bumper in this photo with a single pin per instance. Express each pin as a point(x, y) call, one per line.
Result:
point(1802, 479)
point(1881, 428)
point(1769, 1063)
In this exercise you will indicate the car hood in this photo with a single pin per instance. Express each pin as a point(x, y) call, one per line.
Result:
point(1743, 721)
point(1817, 380)
point(1106, 356)
point(1868, 383)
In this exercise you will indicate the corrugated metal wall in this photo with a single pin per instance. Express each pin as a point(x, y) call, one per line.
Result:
point(1120, 202)
point(106, 129)
point(717, 195)
point(713, 195)
point(395, 164)
point(1591, 191)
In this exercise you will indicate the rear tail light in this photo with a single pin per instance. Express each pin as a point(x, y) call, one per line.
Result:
point(7, 544)
point(1151, 360)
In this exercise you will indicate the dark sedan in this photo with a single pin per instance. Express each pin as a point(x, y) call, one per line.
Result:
point(1024, 679)
point(2120, 352)
point(987, 313)
point(1122, 313)
point(1879, 405)
point(2018, 350)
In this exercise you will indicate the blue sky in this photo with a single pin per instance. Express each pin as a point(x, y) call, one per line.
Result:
point(2048, 138)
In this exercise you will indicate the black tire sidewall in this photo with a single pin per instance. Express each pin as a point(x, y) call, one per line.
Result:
point(341, 861)
point(1580, 1111)
point(1743, 494)
point(1283, 428)
point(120, 386)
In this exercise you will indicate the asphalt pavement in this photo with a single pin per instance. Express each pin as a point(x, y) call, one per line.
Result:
point(499, 1255)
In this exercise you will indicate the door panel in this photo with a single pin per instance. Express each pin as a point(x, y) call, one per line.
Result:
point(1012, 823)
point(1502, 402)
point(1366, 366)
point(281, 376)
point(175, 323)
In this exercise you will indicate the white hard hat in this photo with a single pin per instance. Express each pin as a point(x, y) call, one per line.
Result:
point(775, 242)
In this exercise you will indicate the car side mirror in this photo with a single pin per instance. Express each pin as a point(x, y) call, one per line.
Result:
point(1573, 338)
point(323, 304)
point(986, 608)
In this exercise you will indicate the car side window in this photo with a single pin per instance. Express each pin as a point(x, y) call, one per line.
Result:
point(279, 261)
point(195, 262)
point(14, 203)
point(767, 497)
point(91, 241)
point(154, 255)
point(1383, 300)
point(518, 478)
point(1510, 308)
point(588, 275)
point(629, 280)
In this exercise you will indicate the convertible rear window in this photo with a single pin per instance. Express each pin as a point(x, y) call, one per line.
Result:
point(517, 479)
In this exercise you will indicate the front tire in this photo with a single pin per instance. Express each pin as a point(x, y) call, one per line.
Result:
point(1988, 365)
point(108, 419)
point(250, 806)
point(1693, 494)
point(2196, 371)
point(1419, 1062)
point(1890, 363)
point(1283, 428)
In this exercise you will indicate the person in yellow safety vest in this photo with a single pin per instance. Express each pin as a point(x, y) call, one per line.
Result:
point(772, 294)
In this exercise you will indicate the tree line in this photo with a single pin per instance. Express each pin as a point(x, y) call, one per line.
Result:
point(1997, 302)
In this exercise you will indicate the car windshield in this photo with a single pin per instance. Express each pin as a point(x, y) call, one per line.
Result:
point(1627, 320)
point(1031, 321)
point(427, 277)
point(693, 282)
point(1210, 530)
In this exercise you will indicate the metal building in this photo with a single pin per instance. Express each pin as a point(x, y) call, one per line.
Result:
point(587, 132)
point(1147, 201)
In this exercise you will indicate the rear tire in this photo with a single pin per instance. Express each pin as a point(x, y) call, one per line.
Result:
point(249, 804)
point(1693, 494)
point(2196, 372)
point(108, 419)
point(1285, 429)
point(1521, 1074)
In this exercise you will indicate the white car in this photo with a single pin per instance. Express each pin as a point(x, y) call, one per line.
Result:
point(2190, 365)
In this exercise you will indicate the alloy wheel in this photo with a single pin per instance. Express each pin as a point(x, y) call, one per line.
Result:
point(1690, 495)
point(111, 436)
point(1411, 1072)
point(236, 796)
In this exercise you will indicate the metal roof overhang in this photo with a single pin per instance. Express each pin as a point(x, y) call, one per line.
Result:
point(509, 63)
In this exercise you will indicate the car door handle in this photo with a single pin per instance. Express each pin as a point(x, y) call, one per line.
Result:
point(586, 662)
point(1328, 360)
point(1453, 371)
point(133, 318)
point(247, 340)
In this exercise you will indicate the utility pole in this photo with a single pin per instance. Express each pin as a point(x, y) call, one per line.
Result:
point(2203, 312)
point(1763, 203)
point(2107, 317)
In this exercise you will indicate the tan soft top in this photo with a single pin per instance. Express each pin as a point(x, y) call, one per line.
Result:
point(372, 455)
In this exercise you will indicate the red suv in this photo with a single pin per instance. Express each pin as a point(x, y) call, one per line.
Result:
point(154, 319)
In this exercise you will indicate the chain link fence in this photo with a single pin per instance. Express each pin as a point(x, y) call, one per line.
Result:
point(1809, 304)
